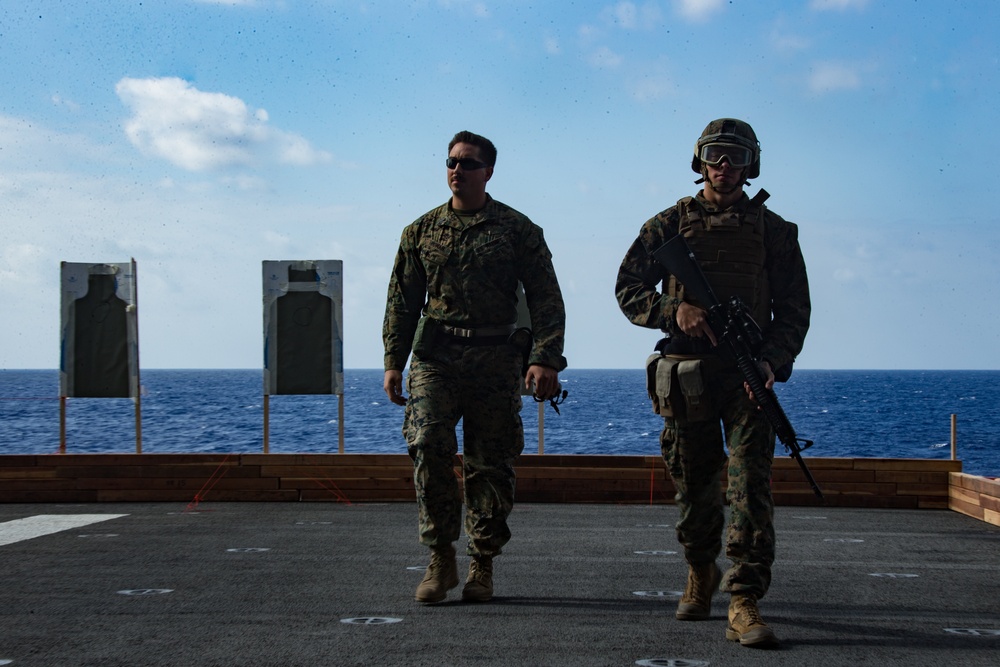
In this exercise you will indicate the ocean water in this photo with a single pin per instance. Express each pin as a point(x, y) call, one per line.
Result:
point(896, 414)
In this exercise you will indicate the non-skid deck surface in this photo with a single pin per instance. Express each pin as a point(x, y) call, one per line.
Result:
point(288, 584)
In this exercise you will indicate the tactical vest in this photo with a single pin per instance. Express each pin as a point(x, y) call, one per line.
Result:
point(730, 249)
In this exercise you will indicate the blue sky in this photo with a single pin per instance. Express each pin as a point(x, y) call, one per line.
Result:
point(202, 137)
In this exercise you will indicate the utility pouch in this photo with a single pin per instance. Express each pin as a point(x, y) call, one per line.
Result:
point(691, 379)
point(661, 384)
point(677, 387)
point(427, 337)
point(652, 364)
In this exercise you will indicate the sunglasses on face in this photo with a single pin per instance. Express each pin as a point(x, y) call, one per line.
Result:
point(466, 163)
point(738, 156)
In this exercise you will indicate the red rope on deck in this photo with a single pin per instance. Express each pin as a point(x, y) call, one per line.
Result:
point(338, 494)
point(207, 486)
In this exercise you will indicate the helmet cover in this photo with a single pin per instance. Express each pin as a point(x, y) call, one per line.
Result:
point(729, 131)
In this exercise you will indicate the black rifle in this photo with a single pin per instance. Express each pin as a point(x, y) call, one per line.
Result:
point(735, 328)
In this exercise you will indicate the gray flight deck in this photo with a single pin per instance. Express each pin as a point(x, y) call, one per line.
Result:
point(331, 584)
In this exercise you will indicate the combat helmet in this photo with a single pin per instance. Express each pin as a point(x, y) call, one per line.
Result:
point(729, 131)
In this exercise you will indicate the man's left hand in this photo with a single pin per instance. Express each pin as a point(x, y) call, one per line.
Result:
point(769, 384)
point(544, 379)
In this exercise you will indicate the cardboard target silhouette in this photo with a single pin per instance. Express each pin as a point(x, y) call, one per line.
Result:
point(303, 331)
point(99, 346)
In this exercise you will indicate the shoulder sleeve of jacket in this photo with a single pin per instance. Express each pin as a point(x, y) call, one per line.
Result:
point(640, 276)
point(543, 296)
point(406, 296)
point(791, 306)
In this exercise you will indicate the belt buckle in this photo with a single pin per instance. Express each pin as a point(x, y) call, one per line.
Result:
point(462, 333)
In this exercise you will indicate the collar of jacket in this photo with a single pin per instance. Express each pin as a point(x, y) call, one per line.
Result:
point(452, 219)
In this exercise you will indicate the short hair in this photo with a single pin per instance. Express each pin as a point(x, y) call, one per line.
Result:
point(487, 151)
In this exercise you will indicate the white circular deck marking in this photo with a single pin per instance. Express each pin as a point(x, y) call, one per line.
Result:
point(975, 632)
point(844, 540)
point(808, 517)
point(146, 591)
point(370, 620)
point(656, 553)
point(893, 575)
point(248, 550)
point(653, 525)
point(670, 595)
point(417, 568)
point(5, 662)
point(672, 662)
point(313, 523)
point(99, 535)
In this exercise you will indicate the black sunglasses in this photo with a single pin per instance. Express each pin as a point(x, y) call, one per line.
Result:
point(466, 163)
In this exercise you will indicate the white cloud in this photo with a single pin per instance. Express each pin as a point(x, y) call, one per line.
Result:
point(588, 33)
point(651, 82)
point(605, 58)
point(25, 144)
point(232, 3)
point(629, 16)
point(837, 5)
point(785, 42)
point(623, 14)
point(477, 8)
point(651, 88)
point(698, 10)
point(19, 264)
point(197, 130)
point(844, 275)
point(60, 101)
point(830, 77)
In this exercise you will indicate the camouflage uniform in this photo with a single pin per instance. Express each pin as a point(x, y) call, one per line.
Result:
point(693, 449)
point(463, 271)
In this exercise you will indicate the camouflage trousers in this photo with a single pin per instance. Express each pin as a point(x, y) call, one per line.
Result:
point(694, 455)
point(480, 387)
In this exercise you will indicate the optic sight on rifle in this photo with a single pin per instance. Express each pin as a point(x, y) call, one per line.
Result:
point(736, 330)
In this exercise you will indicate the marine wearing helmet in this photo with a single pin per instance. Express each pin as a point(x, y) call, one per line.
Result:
point(730, 139)
point(712, 428)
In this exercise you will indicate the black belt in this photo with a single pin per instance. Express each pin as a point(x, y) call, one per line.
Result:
point(686, 346)
point(479, 336)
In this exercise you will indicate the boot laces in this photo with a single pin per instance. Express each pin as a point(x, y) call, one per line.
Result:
point(439, 561)
point(481, 569)
point(698, 583)
point(751, 613)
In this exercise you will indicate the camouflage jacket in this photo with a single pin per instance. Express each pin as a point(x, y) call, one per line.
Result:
point(465, 273)
point(643, 304)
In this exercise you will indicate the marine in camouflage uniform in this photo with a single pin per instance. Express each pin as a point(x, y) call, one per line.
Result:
point(748, 251)
point(452, 300)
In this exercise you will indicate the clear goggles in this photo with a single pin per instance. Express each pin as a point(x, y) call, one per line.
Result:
point(738, 156)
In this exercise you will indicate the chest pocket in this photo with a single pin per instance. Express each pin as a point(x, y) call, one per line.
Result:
point(434, 254)
point(434, 257)
point(495, 251)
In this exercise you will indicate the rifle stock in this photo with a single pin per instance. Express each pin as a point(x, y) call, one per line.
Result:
point(734, 328)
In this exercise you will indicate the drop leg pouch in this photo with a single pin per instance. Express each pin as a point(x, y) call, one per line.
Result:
point(426, 337)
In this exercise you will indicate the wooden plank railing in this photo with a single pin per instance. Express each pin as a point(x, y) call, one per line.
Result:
point(846, 482)
point(978, 497)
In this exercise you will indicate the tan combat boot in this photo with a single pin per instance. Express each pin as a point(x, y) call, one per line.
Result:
point(441, 576)
point(696, 603)
point(479, 586)
point(746, 625)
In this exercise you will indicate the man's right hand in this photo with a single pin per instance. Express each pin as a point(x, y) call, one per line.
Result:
point(393, 385)
point(693, 321)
